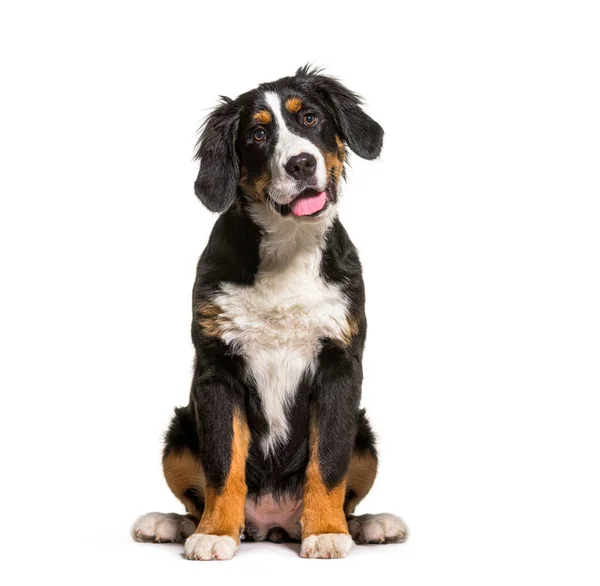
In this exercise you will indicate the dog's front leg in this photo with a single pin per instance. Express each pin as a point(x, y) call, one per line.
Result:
point(224, 441)
point(335, 399)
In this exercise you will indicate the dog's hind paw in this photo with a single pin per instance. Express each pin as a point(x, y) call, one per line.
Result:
point(381, 528)
point(163, 528)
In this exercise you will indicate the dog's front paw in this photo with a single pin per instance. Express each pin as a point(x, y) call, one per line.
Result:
point(202, 546)
point(326, 546)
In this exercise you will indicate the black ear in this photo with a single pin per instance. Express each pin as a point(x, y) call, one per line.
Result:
point(219, 173)
point(362, 134)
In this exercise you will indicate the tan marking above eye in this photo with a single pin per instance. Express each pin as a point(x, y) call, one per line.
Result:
point(293, 105)
point(262, 117)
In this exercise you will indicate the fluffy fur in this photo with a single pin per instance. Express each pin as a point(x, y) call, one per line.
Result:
point(273, 433)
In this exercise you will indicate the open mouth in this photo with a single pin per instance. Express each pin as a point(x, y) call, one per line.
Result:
point(309, 203)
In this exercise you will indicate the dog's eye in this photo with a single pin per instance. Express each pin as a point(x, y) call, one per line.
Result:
point(309, 119)
point(259, 135)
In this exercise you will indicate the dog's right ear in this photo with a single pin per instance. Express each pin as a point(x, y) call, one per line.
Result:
point(219, 173)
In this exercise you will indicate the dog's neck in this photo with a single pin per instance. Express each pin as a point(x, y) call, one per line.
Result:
point(285, 240)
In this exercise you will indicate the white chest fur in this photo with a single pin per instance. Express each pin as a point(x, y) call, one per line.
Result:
point(277, 323)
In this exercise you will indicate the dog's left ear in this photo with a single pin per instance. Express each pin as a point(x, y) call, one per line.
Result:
point(362, 134)
point(219, 173)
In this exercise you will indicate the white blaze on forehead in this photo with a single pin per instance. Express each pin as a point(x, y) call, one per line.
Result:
point(283, 187)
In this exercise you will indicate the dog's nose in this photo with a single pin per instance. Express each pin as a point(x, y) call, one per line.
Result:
point(301, 166)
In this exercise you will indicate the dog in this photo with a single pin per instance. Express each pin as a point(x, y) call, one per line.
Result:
point(274, 444)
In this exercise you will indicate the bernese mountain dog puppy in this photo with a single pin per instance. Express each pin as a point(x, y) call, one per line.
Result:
point(274, 444)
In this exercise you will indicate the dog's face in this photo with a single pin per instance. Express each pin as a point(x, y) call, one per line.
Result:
point(290, 152)
point(283, 145)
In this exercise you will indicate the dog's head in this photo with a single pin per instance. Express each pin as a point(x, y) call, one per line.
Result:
point(284, 145)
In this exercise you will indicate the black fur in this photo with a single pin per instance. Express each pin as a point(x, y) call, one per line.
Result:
point(218, 178)
point(363, 135)
point(226, 144)
point(220, 385)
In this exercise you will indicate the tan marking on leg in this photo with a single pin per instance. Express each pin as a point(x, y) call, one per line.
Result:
point(224, 508)
point(360, 479)
point(262, 117)
point(183, 471)
point(293, 105)
point(323, 510)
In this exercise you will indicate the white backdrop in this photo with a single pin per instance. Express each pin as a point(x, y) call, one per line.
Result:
point(478, 230)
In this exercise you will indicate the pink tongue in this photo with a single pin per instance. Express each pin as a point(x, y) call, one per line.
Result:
point(305, 205)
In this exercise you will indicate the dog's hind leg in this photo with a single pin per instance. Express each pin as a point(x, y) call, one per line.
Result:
point(185, 478)
point(381, 528)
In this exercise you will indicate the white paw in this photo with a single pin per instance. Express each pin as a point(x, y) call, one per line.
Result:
point(326, 546)
point(202, 546)
point(382, 528)
point(163, 528)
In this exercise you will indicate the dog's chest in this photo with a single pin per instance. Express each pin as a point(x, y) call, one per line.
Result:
point(277, 325)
